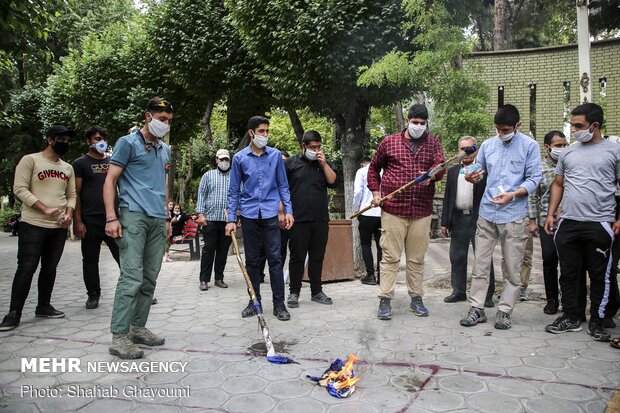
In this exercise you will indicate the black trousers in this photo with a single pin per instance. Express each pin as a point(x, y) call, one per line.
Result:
point(550, 264)
point(584, 246)
point(266, 233)
point(215, 249)
point(369, 227)
point(36, 244)
point(91, 249)
point(462, 234)
point(307, 238)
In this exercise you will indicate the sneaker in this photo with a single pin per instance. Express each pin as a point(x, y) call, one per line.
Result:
point(48, 311)
point(609, 322)
point(385, 309)
point(417, 307)
point(502, 321)
point(563, 324)
point(142, 335)
point(597, 331)
point(249, 310)
point(203, 286)
point(221, 284)
point(293, 300)
point(523, 295)
point(322, 298)
point(123, 347)
point(92, 302)
point(10, 321)
point(551, 307)
point(455, 298)
point(369, 280)
point(474, 316)
point(281, 313)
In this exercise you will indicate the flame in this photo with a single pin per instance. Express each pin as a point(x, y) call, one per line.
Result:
point(344, 377)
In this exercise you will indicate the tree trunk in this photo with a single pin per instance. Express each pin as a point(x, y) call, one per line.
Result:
point(173, 171)
point(206, 121)
point(499, 21)
point(483, 45)
point(296, 122)
point(400, 118)
point(190, 170)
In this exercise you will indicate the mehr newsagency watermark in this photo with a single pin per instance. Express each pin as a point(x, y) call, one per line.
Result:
point(75, 365)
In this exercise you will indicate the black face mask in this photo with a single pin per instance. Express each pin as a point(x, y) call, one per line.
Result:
point(60, 148)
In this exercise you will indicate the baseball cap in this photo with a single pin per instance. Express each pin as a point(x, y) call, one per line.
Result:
point(222, 153)
point(57, 130)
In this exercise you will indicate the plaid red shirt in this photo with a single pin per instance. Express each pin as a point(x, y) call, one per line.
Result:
point(400, 166)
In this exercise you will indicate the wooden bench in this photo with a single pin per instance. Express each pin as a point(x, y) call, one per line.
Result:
point(191, 237)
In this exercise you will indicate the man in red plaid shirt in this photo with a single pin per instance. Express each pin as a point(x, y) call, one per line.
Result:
point(405, 219)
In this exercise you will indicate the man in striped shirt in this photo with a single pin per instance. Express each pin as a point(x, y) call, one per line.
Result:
point(212, 200)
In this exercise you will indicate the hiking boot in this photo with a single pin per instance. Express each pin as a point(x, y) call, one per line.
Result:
point(221, 284)
point(281, 313)
point(609, 322)
point(551, 307)
point(502, 321)
point(523, 295)
point(369, 280)
point(92, 302)
point(10, 321)
point(48, 311)
point(563, 324)
point(124, 348)
point(597, 331)
point(249, 310)
point(474, 316)
point(417, 307)
point(203, 286)
point(293, 300)
point(455, 298)
point(322, 298)
point(385, 309)
point(142, 335)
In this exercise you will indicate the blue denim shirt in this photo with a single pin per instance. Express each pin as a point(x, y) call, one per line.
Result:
point(508, 167)
point(264, 184)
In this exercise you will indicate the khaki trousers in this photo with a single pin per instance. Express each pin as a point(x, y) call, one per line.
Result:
point(526, 267)
point(413, 235)
point(512, 237)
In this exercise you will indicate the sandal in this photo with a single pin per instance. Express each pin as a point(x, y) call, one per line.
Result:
point(615, 342)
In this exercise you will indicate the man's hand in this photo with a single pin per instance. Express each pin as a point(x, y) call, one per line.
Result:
point(533, 227)
point(289, 221)
point(549, 224)
point(79, 229)
point(616, 227)
point(66, 220)
point(52, 212)
point(444, 231)
point(114, 229)
point(503, 198)
point(282, 220)
point(321, 158)
point(230, 227)
point(425, 182)
point(201, 220)
point(376, 199)
point(475, 176)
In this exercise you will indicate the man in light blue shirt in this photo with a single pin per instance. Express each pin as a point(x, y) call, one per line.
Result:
point(257, 186)
point(511, 163)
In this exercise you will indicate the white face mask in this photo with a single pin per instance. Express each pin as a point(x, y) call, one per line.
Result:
point(158, 128)
point(554, 153)
point(260, 141)
point(310, 154)
point(506, 137)
point(100, 146)
point(583, 135)
point(416, 131)
point(223, 165)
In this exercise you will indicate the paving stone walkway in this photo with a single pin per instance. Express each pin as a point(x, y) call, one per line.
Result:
point(408, 364)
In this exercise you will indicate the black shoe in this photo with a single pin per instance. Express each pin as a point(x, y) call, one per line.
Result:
point(609, 322)
point(369, 280)
point(489, 303)
point(249, 310)
point(92, 302)
point(221, 284)
point(282, 313)
point(10, 321)
point(551, 307)
point(597, 331)
point(321, 298)
point(563, 324)
point(293, 300)
point(455, 298)
point(48, 311)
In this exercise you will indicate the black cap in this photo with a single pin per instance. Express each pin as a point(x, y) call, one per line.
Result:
point(58, 130)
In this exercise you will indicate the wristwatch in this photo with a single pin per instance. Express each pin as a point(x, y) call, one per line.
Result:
point(514, 196)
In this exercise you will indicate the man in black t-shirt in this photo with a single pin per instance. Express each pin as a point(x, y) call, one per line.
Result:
point(309, 175)
point(89, 215)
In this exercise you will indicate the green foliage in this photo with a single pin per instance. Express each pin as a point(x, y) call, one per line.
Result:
point(5, 213)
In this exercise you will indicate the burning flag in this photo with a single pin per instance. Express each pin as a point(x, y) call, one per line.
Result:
point(339, 378)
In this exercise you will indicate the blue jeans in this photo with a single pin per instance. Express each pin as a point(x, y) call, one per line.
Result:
point(265, 232)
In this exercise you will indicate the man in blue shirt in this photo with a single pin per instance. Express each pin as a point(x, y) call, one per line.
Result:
point(257, 186)
point(139, 165)
point(511, 162)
